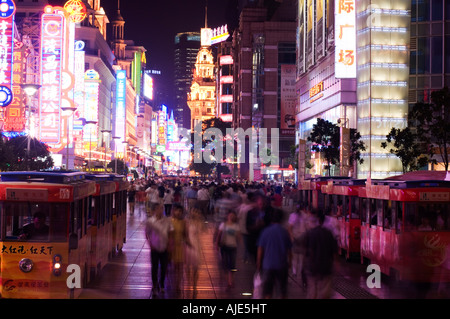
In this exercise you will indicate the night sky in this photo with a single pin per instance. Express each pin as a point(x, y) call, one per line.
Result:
point(154, 24)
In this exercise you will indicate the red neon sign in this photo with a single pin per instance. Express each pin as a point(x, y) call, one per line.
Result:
point(52, 39)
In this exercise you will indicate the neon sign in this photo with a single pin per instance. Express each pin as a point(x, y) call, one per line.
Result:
point(345, 39)
point(52, 40)
point(15, 116)
point(7, 10)
point(121, 81)
point(76, 10)
point(91, 88)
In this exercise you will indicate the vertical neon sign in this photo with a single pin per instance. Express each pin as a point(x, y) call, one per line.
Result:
point(52, 37)
point(7, 10)
point(91, 87)
point(121, 81)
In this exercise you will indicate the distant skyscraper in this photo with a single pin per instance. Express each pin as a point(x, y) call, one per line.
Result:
point(187, 45)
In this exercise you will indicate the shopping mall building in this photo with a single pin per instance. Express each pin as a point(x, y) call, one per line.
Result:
point(362, 64)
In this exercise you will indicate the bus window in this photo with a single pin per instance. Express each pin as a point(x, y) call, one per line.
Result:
point(355, 209)
point(373, 212)
point(442, 216)
point(411, 220)
point(365, 211)
point(36, 222)
point(387, 220)
point(345, 206)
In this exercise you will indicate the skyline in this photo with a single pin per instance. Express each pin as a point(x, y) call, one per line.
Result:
point(169, 19)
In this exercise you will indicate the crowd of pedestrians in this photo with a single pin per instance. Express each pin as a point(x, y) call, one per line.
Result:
point(279, 234)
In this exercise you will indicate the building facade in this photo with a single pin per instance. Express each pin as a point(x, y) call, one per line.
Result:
point(187, 45)
point(201, 98)
point(264, 58)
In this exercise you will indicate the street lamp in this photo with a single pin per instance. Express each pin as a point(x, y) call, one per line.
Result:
point(105, 132)
point(70, 110)
point(30, 90)
point(115, 152)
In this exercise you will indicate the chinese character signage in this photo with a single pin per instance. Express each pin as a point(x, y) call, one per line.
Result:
point(345, 39)
point(7, 10)
point(52, 39)
point(91, 87)
point(15, 118)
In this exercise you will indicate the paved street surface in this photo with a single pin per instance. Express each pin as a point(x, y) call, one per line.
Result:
point(128, 275)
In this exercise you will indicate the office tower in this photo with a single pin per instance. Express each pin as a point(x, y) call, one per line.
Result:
point(187, 45)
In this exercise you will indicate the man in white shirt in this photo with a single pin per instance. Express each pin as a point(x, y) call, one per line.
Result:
point(203, 200)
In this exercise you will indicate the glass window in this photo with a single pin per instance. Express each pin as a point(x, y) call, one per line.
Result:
point(413, 11)
point(413, 63)
point(436, 10)
point(36, 221)
point(436, 53)
point(355, 209)
point(423, 55)
point(423, 10)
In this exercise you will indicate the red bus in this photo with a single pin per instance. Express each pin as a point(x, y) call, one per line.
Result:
point(342, 206)
point(405, 226)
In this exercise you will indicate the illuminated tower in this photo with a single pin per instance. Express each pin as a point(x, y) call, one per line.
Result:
point(118, 25)
point(382, 39)
point(201, 99)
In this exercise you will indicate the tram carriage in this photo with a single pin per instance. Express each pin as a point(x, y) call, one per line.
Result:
point(78, 213)
point(341, 203)
point(405, 226)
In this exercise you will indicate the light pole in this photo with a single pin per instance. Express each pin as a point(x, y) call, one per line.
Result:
point(115, 152)
point(105, 133)
point(72, 111)
point(30, 90)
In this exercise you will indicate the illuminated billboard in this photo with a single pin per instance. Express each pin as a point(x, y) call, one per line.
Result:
point(91, 89)
point(121, 94)
point(345, 39)
point(14, 116)
point(52, 39)
point(148, 86)
point(213, 36)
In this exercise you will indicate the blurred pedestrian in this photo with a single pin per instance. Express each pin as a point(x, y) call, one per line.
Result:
point(168, 201)
point(297, 229)
point(179, 241)
point(227, 239)
point(274, 255)
point(195, 227)
point(158, 231)
point(131, 197)
point(320, 251)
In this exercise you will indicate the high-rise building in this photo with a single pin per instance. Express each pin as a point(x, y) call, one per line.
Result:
point(353, 63)
point(187, 45)
point(264, 87)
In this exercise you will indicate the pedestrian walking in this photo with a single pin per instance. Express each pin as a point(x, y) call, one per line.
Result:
point(297, 227)
point(320, 251)
point(274, 255)
point(179, 241)
point(158, 231)
point(131, 197)
point(195, 227)
point(227, 240)
point(168, 201)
